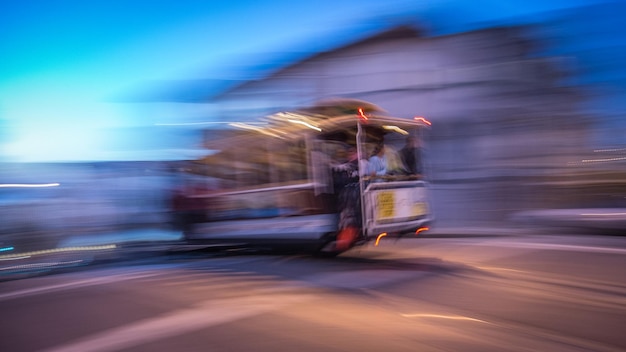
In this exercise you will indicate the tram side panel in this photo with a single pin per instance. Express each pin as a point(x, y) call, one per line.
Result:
point(287, 214)
point(396, 208)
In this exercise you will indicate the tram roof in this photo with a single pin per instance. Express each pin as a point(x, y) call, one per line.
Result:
point(288, 123)
point(324, 116)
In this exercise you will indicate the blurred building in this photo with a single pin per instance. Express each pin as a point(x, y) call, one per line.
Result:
point(524, 117)
point(60, 200)
point(504, 120)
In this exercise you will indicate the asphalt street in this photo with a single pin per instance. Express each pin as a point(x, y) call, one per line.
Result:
point(490, 293)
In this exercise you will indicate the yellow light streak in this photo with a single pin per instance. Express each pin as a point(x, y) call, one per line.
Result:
point(295, 118)
point(305, 124)
point(395, 129)
point(254, 128)
point(379, 237)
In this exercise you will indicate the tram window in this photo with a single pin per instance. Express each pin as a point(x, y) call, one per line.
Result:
point(287, 162)
point(248, 159)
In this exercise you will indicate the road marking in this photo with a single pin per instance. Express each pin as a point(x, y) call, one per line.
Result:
point(551, 246)
point(74, 284)
point(44, 265)
point(491, 268)
point(15, 258)
point(440, 316)
point(207, 314)
point(59, 250)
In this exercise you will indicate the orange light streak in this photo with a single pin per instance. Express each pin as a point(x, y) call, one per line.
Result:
point(362, 114)
point(379, 237)
point(421, 229)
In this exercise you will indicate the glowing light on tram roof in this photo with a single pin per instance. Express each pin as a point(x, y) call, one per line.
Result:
point(295, 118)
point(287, 115)
point(420, 118)
point(305, 124)
point(362, 114)
point(396, 129)
point(254, 128)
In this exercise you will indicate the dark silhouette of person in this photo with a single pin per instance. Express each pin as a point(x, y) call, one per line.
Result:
point(349, 204)
point(411, 156)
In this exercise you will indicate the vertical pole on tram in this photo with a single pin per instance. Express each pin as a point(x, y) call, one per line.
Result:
point(360, 145)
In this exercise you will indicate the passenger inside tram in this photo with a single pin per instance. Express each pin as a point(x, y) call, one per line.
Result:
point(349, 205)
point(411, 156)
point(377, 165)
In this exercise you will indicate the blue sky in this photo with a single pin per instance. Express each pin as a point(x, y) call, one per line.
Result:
point(65, 61)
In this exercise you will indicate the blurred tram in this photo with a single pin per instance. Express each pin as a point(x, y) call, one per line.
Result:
point(285, 181)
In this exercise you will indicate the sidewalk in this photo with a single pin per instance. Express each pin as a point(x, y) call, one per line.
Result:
point(87, 249)
point(147, 236)
point(124, 244)
point(114, 244)
point(523, 223)
point(477, 231)
point(612, 220)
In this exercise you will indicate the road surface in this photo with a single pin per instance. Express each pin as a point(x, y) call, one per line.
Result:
point(529, 293)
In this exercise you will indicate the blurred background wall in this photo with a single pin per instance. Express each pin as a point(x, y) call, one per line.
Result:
point(85, 198)
point(510, 131)
point(528, 113)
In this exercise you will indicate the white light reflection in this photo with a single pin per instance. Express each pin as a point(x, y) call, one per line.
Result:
point(254, 128)
point(610, 150)
point(16, 258)
point(192, 123)
point(58, 250)
point(295, 118)
point(438, 316)
point(490, 268)
point(306, 124)
point(40, 265)
point(28, 185)
point(604, 214)
point(603, 160)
